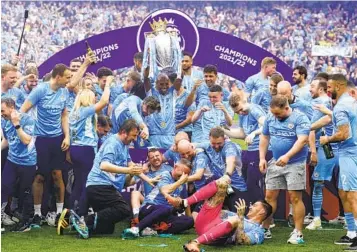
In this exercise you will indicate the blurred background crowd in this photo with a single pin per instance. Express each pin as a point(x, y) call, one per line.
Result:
point(289, 30)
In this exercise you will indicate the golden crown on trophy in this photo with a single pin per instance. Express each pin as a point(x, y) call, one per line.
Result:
point(159, 25)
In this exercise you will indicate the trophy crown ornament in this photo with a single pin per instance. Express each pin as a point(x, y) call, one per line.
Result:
point(159, 25)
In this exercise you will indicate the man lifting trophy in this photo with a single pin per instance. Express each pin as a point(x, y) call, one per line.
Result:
point(162, 48)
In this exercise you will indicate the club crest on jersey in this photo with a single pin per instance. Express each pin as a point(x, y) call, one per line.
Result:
point(290, 125)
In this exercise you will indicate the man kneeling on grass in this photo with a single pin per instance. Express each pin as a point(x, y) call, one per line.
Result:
point(220, 227)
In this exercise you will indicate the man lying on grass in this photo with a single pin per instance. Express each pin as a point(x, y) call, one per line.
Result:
point(220, 227)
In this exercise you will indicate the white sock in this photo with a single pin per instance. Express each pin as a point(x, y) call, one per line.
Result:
point(14, 204)
point(37, 209)
point(136, 211)
point(185, 203)
point(316, 218)
point(290, 209)
point(59, 208)
point(351, 234)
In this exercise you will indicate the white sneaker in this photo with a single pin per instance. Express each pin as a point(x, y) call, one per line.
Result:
point(308, 219)
point(130, 233)
point(267, 234)
point(51, 219)
point(6, 220)
point(272, 224)
point(2, 230)
point(296, 238)
point(314, 225)
point(339, 220)
point(148, 232)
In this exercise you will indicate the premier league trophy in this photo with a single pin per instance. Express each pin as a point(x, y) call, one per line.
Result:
point(162, 48)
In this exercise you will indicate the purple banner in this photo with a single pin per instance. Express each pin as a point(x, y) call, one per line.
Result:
point(115, 49)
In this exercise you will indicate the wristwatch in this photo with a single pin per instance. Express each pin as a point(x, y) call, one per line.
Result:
point(17, 127)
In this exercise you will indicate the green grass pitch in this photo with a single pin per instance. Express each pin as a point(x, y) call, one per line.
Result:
point(46, 239)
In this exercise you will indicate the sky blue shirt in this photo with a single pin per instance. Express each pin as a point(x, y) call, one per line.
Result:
point(209, 120)
point(345, 112)
point(263, 99)
point(115, 91)
point(202, 93)
point(325, 100)
point(188, 81)
point(153, 174)
point(303, 93)
point(15, 94)
point(163, 123)
point(102, 139)
point(115, 152)
point(50, 105)
point(82, 127)
point(24, 91)
point(283, 134)
point(129, 108)
point(303, 106)
point(20, 153)
point(181, 110)
point(70, 101)
point(253, 230)
point(171, 155)
point(155, 197)
point(218, 163)
point(249, 123)
point(200, 162)
point(256, 82)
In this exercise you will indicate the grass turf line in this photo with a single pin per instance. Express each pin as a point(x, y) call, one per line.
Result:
point(46, 239)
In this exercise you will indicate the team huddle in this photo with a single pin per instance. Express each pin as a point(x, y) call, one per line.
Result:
point(73, 121)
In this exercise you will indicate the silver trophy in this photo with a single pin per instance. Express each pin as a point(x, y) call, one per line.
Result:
point(162, 48)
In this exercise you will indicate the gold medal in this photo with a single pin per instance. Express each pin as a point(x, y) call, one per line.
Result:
point(163, 124)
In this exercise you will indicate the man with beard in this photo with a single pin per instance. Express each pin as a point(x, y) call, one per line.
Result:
point(225, 159)
point(190, 75)
point(345, 122)
point(301, 88)
point(31, 81)
point(260, 80)
point(111, 169)
point(216, 226)
point(155, 168)
point(263, 96)
point(201, 89)
point(286, 131)
point(156, 209)
point(323, 167)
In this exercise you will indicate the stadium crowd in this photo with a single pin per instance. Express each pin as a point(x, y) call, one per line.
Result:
point(286, 30)
point(66, 137)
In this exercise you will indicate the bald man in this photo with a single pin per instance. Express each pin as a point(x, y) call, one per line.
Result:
point(284, 88)
point(200, 163)
point(172, 154)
